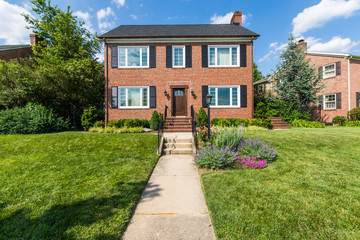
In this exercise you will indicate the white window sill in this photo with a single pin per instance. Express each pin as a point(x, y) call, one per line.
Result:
point(134, 67)
point(133, 107)
point(224, 106)
point(223, 66)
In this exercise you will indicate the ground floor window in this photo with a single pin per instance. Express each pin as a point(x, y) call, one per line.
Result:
point(225, 96)
point(330, 101)
point(133, 97)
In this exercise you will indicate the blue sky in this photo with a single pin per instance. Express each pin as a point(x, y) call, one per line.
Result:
point(327, 25)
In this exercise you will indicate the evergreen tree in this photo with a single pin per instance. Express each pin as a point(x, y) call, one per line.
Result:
point(256, 73)
point(296, 81)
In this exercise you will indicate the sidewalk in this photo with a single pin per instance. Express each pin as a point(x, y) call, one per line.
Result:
point(172, 205)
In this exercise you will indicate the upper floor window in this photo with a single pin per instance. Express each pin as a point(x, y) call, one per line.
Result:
point(133, 57)
point(330, 101)
point(225, 96)
point(224, 56)
point(178, 56)
point(329, 71)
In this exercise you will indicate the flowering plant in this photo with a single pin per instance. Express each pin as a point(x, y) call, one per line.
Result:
point(202, 133)
point(250, 162)
point(215, 158)
point(257, 148)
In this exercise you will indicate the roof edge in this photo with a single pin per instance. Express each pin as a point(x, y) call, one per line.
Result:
point(328, 54)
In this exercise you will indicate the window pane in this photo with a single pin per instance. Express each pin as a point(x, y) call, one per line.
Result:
point(213, 94)
point(123, 97)
point(122, 56)
point(234, 96)
point(145, 97)
point(134, 97)
point(223, 56)
point(223, 96)
point(234, 56)
point(178, 56)
point(144, 54)
point(133, 57)
point(329, 67)
point(212, 56)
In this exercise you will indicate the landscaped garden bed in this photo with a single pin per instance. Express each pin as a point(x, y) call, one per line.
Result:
point(72, 185)
point(311, 191)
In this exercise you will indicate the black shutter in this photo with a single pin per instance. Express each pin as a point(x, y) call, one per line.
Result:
point(152, 97)
point(243, 95)
point(114, 97)
point(114, 57)
point(205, 91)
point(152, 57)
point(357, 99)
point(321, 101)
point(338, 68)
point(320, 69)
point(188, 56)
point(242, 55)
point(338, 101)
point(169, 56)
point(204, 54)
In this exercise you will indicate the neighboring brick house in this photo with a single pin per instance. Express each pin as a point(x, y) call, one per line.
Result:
point(148, 67)
point(341, 76)
point(8, 52)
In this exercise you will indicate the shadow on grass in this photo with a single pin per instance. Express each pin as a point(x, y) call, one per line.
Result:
point(54, 222)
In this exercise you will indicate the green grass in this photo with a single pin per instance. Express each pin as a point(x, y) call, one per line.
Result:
point(72, 185)
point(312, 191)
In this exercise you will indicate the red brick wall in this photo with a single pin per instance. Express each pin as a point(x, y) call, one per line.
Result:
point(337, 84)
point(354, 81)
point(194, 78)
point(16, 53)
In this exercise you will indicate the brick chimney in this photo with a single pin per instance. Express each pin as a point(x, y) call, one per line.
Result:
point(34, 39)
point(302, 44)
point(236, 18)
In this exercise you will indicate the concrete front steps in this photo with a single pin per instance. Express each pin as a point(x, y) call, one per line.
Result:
point(177, 124)
point(178, 143)
point(279, 123)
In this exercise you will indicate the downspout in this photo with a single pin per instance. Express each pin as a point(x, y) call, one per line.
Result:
point(349, 87)
point(252, 77)
point(106, 84)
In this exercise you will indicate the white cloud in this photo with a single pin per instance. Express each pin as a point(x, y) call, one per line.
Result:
point(275, 48)
point(318, 15)
point(100, 57)
point(103, 16)
point(141, 4)
point(12, 24)
point(133, 16)
point(119, 3)
point(85, 16)
point(226, 19)
point(336, 44)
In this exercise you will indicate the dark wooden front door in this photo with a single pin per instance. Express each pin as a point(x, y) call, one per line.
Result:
point(179, 102)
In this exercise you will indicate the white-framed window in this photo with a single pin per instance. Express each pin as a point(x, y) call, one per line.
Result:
point(260, 89)
point(329, 71)
point(134, 97)
point(330, 101)
point(224, 56)
point(133, 57)
point(178, 55)
point(225, 96)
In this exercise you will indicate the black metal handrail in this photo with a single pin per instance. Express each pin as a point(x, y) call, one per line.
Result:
point(193, 123)
point(161, 128)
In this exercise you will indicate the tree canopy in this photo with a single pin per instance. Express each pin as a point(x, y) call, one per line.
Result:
point(257, 73)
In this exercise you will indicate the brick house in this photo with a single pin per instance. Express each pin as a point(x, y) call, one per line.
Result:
point(8, 52)
point(341, 77)
point(148, 67)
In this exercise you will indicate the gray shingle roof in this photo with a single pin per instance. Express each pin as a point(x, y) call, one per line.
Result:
point(11, 47)
point(191, 30)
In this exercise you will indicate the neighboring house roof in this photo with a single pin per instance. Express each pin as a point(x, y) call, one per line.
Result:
point(327, 54)
point(12, 47)
point(172, 31)
point(265, 80)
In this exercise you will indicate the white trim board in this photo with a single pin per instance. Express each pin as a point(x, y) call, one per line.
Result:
point(172, 40)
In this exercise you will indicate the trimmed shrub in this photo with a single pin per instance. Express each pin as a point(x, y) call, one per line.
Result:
point(89, 117)
point(353, 124)
point(339, 120)
point(224, 122)
point(306, 124)
point(215, 158)
point(96, 129)
point(155, 120)
point(129, 130)
point(31, 119)
point(99, 124)
point(242, 121)
point(202, 118)
point(255, 129)
point(229, 136)
point(354, 114)
point(266, 123)
point(257, 148)
point(112, 123)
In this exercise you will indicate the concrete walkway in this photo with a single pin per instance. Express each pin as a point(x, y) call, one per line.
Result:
point(172, 205)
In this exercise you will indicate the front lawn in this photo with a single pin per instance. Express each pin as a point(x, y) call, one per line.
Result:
point(72, 185)
point(312, 191)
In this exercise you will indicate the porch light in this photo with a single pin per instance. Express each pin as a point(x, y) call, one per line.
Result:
point(208, 99)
